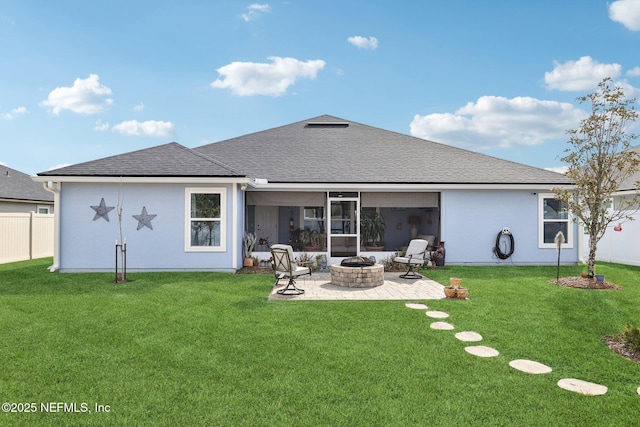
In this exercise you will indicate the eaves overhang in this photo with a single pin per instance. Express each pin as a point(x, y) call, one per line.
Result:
point(145, 179)
point(29, 201)
point(280, 186)
point(629, 192)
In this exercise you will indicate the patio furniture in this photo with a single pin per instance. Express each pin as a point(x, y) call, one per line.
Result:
point(414, 257)
point(285, 266)
point(431, 247)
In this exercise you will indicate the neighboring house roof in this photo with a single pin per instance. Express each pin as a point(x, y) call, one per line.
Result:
point(328, 149)
point(18, 186)
point(323, 149)
point(630, 184)
point(168, 160)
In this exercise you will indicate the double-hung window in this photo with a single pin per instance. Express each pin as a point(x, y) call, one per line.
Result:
point(553, 217)
point(205, 219)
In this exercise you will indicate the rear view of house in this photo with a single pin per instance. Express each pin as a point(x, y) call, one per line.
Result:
point(320, 185)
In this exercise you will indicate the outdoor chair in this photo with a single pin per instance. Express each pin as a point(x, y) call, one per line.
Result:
point(415, 257)
point(285, 266)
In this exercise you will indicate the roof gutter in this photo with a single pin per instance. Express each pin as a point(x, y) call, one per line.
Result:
point(263, 184)
point(143, 179)
point(54, 187)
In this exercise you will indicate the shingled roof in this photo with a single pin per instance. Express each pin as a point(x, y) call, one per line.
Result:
point(324, 149)
point(168, 160)
point(631, 183)
point(329, 149)
point(15, 185)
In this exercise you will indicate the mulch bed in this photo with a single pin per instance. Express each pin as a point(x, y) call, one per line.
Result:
point(618, 345)
point(584, 283)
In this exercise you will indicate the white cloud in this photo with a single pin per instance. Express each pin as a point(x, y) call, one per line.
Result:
point(254, 11)
point(363, 42)
point(634, 72)
point(559, 169)
point(139, 107)
point(498, 122)
point(583, 74)
point(101, 127)
point(148, 128)
point(61, 165)
point(86, 96)
point(250, 78)
point(626, 12)
point(629, 90)
point(19, 111)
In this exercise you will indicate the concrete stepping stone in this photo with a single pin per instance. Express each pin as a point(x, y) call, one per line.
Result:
point(469, 336)
point(416, 306)
point(482, 351)
point(442, 326)
point(529, 366)
point(437, 314)
point(638, 390)
point(583, 387)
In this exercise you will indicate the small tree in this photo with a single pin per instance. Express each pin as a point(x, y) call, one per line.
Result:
point(599, 160)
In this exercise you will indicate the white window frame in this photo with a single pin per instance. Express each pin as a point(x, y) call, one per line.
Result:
point(43, 207)
point(223, 219)
point(541, 221)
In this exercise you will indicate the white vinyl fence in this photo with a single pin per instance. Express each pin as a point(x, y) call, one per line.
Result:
point(25, 236)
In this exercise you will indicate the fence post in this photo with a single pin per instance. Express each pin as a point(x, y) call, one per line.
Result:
point(31, 233)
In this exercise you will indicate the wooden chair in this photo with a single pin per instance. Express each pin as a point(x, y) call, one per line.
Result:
point(285, 266)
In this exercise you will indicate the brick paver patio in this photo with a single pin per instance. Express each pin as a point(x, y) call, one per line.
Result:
point(318, 287)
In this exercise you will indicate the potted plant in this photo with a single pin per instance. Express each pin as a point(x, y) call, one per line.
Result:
point(311, 240)
point(321, 260)
point(296, 238)
point(248, 243)
point(372, 228)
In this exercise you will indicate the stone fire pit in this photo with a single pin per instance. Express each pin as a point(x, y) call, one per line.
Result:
point(357, 277)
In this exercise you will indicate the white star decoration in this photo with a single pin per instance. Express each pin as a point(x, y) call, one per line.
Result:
point(102, 210)
point(144, 219)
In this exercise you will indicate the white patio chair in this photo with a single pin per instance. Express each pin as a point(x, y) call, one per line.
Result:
point(414, 257)
point(285, 266)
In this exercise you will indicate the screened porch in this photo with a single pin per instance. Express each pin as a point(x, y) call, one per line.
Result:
point(341, 224)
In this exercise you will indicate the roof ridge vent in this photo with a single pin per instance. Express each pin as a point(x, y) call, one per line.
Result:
point(328, 124)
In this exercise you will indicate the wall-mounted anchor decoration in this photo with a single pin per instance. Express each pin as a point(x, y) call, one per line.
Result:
point(102, 210)
point(144, 219)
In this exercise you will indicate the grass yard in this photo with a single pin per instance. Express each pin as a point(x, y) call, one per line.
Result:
point(209, 349)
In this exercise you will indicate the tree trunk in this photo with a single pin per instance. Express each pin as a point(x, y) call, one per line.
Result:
point(591, 263)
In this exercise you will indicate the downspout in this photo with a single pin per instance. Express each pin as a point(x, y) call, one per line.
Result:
point(54, 187)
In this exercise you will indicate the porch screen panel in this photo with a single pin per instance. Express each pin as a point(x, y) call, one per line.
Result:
point(399, 200)
point(285, 198)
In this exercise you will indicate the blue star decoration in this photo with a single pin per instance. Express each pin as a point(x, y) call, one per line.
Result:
point(144, 219)
point(102, 210)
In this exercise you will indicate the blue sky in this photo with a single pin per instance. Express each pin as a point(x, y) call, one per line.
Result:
point(84, 80)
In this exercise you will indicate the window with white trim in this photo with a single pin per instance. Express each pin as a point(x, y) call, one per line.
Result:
point(553, 217)
point(42, 209)
point(205, 219)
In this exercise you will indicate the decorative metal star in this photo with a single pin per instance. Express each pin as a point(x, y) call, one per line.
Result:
point(144, 219)
point(102, 210)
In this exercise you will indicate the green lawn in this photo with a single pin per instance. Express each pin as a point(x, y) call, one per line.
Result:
point(209, 349)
